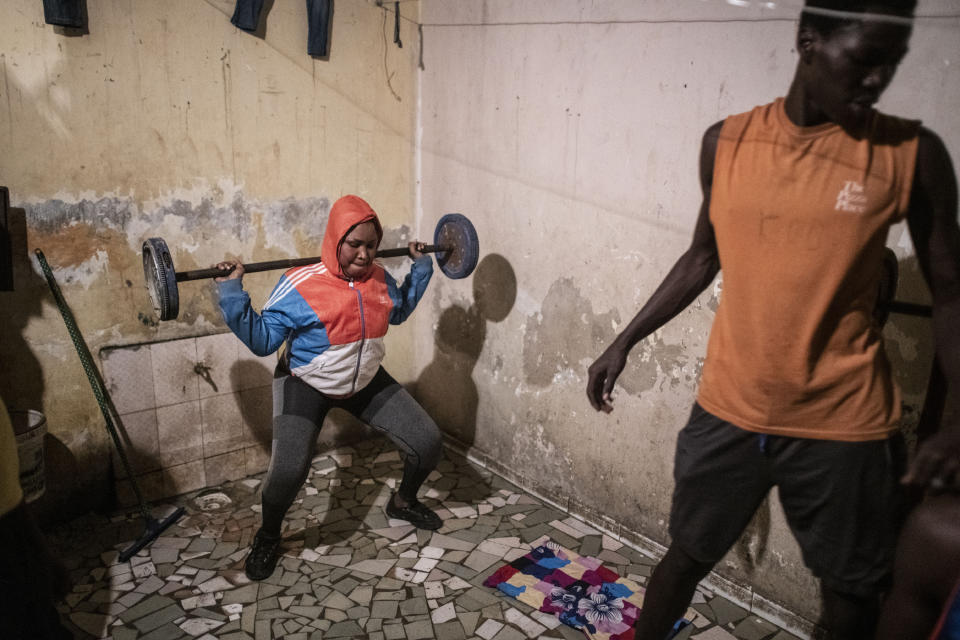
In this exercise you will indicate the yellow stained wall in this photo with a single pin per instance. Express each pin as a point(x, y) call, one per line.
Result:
point(166, 120)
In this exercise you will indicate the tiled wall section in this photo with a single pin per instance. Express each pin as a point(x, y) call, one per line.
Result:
point(195, 412)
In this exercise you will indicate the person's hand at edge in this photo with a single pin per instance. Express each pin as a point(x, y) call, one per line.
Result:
point(236, 274)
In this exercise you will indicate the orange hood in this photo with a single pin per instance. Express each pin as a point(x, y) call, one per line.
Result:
point(345, 214)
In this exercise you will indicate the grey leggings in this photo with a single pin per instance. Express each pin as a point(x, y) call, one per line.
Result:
point(298, 413)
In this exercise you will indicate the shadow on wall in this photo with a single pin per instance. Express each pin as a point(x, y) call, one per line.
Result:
point(256, 411)
point(21, 377)
point(446, 388)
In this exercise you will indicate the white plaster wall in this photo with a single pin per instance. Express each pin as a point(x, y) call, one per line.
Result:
point(569, 130)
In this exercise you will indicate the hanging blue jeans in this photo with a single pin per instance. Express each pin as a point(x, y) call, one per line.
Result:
point(64, 13)
point(318, 26)
point(246, 16)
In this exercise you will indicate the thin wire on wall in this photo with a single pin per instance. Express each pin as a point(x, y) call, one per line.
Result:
point(386, 71)
point(795, 7)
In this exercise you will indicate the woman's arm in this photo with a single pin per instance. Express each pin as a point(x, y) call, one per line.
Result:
point(262, 333)
point(408, 294)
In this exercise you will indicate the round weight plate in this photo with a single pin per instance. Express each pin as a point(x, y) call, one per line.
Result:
point(455, 231)
point(161, 278)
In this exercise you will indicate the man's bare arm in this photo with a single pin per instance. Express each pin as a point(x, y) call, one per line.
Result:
point(690, 275)
point(936, 239)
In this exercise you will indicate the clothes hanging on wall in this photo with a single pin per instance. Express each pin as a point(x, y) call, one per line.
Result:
point(318, 26)
point(246, 16)
point(64, 13)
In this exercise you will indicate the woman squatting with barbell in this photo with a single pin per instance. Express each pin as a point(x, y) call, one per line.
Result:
point(331, 318)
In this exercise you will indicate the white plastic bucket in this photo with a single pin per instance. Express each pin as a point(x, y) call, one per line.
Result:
point(30, 427)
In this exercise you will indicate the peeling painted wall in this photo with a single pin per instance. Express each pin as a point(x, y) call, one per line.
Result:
point(165, 120)
point(569, 131)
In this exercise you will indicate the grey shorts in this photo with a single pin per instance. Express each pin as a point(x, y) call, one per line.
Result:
point(842, 500)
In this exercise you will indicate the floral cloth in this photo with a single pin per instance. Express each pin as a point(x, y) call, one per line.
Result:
point(577, 589)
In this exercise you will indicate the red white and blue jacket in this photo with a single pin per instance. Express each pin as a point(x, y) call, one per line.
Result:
point(334, 326)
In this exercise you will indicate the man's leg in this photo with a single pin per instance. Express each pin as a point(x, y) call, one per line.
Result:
point(720, 478)
point(669, 593)
point(843, 502)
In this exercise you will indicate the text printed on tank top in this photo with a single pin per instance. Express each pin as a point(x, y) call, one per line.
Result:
point(851, 197)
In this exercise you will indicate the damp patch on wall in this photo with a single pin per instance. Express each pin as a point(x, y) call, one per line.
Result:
point(566, 335)
point(543, 461)
point(94, 242)
point(564, 332)
point(195, 217)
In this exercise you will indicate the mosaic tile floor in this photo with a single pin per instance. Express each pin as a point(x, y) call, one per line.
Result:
point(347, 570)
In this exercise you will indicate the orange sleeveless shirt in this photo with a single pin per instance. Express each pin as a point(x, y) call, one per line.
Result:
point(801, 216)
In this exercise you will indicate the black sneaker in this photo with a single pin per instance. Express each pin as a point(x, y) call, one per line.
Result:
point(416, 513)
point(262, 559)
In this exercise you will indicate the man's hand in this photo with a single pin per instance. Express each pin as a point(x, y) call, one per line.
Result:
point(603, 374)
point(236, 274)
point(937, 462)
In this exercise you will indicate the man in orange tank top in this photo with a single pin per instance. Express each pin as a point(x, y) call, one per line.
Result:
point(796, 392)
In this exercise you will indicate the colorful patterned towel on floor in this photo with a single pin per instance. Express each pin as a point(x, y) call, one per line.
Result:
point(577, 589)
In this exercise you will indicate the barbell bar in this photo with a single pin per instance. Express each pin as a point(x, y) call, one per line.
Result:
point(454, 241)
point(909, 308)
